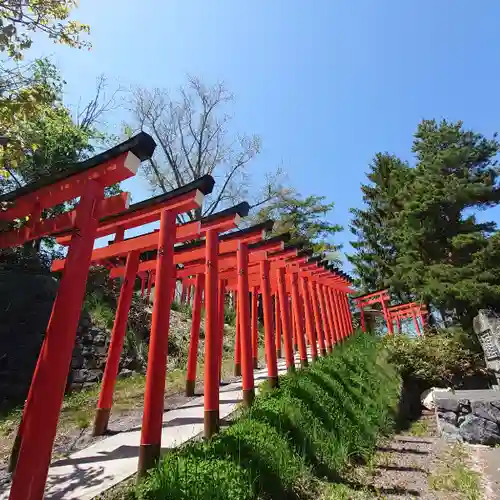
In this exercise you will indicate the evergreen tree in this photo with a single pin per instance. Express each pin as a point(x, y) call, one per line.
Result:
point(419, 234)
point(373, 225)
point(437, 234)
point(306, 219)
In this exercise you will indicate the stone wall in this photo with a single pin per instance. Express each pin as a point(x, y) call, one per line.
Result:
point(474, 420)
point(90, 353)
point(26, 300)
point(25, 305)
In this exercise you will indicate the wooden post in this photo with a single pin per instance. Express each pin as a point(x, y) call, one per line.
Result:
point(347, 313)
point(116, 346)
point(211, 392)
point(285, 321)
point(294, 325)
point(311, 334)
point(277, 325)
point(195, 336)
point(49, 380)
point(255, 327)
point(298, 320)
point(339, 314)
point(244, 318)
point(325, 316)
point(154, 394)
point(267, 309)
point(335, 332)
point(386, 317)
point(222, 304)
point(237, 342)
point(317, 318)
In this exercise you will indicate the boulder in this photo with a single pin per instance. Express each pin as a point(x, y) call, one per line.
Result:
point(448, 416)
point(449, 431)
point(125, 373)
point(486, 410)
point(477, 430)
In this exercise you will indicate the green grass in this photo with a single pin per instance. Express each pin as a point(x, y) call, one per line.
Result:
point(453, 475)
point(420, 428)
point(344, 492)
point(318, 422)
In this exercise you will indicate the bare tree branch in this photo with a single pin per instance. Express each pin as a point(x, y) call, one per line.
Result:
point(194, 138)
point(99, 105)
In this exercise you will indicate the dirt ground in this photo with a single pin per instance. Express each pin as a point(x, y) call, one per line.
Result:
point(418, 464)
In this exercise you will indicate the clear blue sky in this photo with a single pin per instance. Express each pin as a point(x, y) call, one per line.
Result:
point(326, 83)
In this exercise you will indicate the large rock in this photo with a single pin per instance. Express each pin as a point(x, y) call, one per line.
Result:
point(477, 430)
point(449, 431)
point(487, 410)
point(448, 416)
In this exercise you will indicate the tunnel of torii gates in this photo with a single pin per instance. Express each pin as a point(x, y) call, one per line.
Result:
point(310, 297)
point(393, 313)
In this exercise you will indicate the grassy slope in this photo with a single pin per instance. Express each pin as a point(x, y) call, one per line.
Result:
point(320, 420)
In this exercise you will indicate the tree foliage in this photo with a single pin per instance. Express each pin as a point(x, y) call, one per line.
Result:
point(43, 139)
point(375, 255)
point(42, 136)
point(20, 18)
point(193, 137)
point(418, 232)
point(306, 219)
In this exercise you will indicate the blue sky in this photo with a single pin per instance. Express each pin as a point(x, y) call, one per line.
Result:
point(326, 84)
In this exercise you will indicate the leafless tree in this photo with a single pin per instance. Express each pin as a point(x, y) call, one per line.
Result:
point(103, 102)
point(193, 137)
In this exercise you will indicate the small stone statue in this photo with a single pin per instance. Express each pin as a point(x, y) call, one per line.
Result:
point(487, 328)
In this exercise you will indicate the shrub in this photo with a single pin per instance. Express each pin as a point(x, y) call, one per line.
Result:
point(443, 358)
point(319, 420)
point(229, 315)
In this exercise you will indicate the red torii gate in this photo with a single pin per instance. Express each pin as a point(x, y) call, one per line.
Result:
point(171, 204)
point(86, 180)
point(257, 253)
point(408, 310)
point(379, 297)
point(155, 376)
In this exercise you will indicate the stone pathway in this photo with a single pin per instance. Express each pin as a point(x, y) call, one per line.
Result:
point(91, 471)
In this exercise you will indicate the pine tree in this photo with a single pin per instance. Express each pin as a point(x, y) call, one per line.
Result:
point(437, 234)
point(373, 226)
point(419, 234)
point(306, 219)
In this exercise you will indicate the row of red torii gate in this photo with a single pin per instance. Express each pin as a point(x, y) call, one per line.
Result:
point(393, 315)
point(304, 301)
